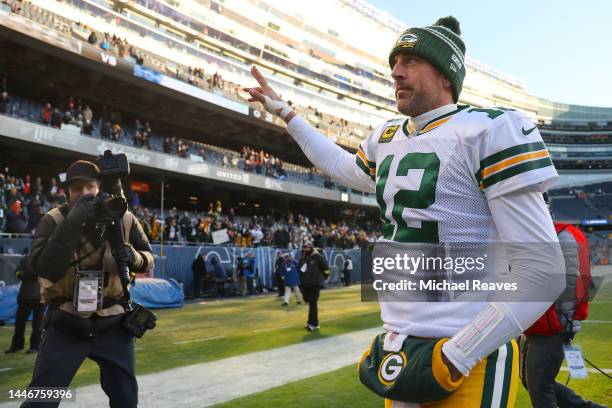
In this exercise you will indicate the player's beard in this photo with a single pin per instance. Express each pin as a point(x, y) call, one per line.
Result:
point(414, 103)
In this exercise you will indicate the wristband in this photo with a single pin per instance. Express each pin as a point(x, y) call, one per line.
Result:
point(279, 108)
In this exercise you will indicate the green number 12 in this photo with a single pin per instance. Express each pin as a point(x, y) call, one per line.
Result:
point(418, 199)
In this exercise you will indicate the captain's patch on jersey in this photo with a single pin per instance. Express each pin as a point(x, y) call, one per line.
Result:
point(388, 134)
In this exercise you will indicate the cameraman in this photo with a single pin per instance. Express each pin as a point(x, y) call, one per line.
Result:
point(68, 242)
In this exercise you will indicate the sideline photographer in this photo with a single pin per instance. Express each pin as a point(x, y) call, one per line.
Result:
point(81, 253)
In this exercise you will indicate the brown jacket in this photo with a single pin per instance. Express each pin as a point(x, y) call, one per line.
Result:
point(57, 243)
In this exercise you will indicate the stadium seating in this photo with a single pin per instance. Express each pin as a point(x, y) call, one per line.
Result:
point(26, 109)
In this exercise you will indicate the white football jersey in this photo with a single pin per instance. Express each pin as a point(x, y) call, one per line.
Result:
point(432, 186)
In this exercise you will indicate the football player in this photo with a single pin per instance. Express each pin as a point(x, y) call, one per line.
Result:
point(446, 173)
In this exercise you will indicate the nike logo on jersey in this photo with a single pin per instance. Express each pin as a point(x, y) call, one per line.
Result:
point(526, 132)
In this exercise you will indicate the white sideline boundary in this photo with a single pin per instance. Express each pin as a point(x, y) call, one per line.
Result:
point(206, 384)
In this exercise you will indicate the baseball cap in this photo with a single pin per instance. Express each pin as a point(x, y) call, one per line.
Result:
point(82, 170)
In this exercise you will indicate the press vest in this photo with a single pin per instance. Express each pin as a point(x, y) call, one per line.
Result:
point(63, 289)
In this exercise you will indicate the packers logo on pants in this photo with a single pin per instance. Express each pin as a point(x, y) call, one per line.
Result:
point(391, 366)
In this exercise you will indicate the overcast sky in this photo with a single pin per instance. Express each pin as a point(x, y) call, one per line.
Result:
point(561, 49)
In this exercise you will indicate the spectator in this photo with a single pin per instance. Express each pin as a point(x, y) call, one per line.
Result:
point(68, 119)
point(56, 119)
point(28, 300)
point(250, 272)
point(87, 120)
point(5, 103)
point(146, 136)
point(116, 134)
point(105, 44)
point(36, 212)
point(220, 276)
point(292, 280)
point(314, 271)
point(60, 197)
point(281, 238)
point(138, 129)
point(257, 236)
point(185, 224)
point(16, 218)
point(171, 232)
point(278, 273)
point(53, 188)
point(37, 188)
point(168, 145)
point(93, 38)
point(242, 286)
point(46, 113)
point(198, 269)
point(328, 183)
point(71, 106)
point(156, 229)
point(347, 270)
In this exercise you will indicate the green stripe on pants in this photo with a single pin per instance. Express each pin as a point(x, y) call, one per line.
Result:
point(489, 380)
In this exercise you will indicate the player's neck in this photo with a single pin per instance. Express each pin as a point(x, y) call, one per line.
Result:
point(421, 120)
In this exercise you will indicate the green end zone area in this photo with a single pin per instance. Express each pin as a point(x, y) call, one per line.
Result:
point(199, 333)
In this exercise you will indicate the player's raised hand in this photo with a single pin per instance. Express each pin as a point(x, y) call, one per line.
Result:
point(265, 95)
point(257, 93)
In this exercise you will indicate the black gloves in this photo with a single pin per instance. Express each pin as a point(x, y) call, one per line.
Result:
point(84, 210)
point(129, 255)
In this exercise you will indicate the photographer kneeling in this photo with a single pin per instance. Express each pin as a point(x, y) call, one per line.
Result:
point(79, 261)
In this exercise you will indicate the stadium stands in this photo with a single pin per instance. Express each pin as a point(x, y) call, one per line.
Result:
point(33, 111)
point(199, 44)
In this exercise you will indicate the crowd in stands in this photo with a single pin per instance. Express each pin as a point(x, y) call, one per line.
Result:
point(109, 124)
point(15, 5)
point(601, 248)
point(23, 201)
point(593, 164)
point(289, 231)
point(276, 56)
point(259, 162)
point(339, 130)
point(600, 138)
point(589, 126)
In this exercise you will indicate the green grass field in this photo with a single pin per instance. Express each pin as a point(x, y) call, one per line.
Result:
point(341, 388)
point(228, 328)
point(205, 332)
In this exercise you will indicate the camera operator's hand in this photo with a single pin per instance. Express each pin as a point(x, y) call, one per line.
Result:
point(84, 210)
point(126, 253)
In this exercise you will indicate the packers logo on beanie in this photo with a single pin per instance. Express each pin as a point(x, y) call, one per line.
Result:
point(440, 44)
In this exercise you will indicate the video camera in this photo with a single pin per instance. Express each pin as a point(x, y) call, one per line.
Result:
point(111, 205)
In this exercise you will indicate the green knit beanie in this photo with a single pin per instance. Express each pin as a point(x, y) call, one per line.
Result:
point(441, 45)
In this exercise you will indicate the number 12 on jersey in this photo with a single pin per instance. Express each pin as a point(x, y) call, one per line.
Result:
point(416, 199)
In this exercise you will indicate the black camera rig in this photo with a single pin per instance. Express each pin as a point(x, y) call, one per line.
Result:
point(111, 205)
